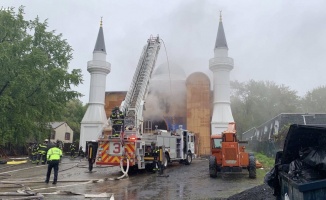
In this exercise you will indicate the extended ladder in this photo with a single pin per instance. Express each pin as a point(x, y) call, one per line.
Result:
point(137, 93)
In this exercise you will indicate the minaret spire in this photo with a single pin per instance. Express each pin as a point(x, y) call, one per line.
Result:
point(100, 44)
point(95, 116)
point(220, 39)
point(220, 15)
point(221, 65)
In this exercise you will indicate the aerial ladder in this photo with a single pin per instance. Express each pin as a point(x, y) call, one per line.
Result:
point(128, 149)
point(133, 104)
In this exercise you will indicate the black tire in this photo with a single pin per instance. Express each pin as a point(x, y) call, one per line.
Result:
point(252, 167)
point(188, 160)
point(212, 167)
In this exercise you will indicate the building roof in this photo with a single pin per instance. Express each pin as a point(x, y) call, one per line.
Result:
point(55, 125)
point(100, 44)
point(220, 39)
point(313, 119)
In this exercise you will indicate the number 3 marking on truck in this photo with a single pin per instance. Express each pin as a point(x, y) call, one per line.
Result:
point(116, 148)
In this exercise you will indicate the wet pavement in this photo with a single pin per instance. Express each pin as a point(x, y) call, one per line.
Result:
point(75, 182)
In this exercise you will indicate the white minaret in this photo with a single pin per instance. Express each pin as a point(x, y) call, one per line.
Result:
point(95, 117)
point(221, 65)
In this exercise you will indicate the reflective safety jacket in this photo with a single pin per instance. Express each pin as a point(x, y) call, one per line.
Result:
point(42, 148)
point(34, 149)
point(54, 154)
point(156, 153)
point(72, 147)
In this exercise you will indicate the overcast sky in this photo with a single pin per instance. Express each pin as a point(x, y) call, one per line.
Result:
point(281, 41)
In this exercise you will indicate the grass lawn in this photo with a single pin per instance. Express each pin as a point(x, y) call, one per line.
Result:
point(267, 163)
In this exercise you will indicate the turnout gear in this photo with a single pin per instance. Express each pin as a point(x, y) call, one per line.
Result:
point(41, 153)
point(157, 161)
point(72, 150)
point(53, 156)
point(91, 157)
point(34, 153)
point(117, 121)
point(91, 151)
point(81, 152)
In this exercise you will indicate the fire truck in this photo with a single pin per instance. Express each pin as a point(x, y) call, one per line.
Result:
point(134, 148)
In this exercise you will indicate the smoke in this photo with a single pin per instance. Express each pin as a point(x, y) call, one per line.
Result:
point(167, 93)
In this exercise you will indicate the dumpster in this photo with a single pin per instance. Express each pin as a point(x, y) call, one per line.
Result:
point(300, 169)
point(313, 190)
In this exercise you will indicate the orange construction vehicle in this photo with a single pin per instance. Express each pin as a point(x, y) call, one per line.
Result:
point(228, 156)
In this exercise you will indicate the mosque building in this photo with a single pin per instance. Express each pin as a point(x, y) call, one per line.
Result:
point(175, 99)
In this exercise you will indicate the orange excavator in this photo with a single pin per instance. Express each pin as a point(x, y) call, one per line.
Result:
point(227, 155)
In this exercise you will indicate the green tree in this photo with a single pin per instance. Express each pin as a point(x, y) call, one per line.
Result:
point(255, 102)
point(34, 80)
point(315, 101)
point(73, 114)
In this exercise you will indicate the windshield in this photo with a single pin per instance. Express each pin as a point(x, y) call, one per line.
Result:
point(217, 143)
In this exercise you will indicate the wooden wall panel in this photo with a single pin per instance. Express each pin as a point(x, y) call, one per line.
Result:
point(113, 99)
point(199, 110)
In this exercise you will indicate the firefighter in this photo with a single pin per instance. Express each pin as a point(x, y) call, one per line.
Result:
point(34, 153)
point(91, 154)
point(156, 155)
point(41, 152)
point(148, 151)
point(72, 150)
point(53, 156)
point(81, 152)
point(117, 121)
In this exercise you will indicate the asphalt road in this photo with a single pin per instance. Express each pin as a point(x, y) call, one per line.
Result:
point(75, 182)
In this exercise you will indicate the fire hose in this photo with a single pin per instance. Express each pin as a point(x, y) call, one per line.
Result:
point(125, 172)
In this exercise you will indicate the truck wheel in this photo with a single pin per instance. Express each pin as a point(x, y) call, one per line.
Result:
point(252, 167)
point(212, 167)
point(188, 159)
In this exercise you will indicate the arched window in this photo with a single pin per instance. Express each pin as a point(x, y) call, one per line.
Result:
point(67, 136)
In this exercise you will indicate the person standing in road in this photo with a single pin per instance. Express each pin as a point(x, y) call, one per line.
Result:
point(72, 150)
point(53, 158)
point(91, 157)
point(41, 152)
point(81, 152)
point(34, 153)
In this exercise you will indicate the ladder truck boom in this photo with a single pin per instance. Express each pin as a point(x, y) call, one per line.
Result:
point(136, 95)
